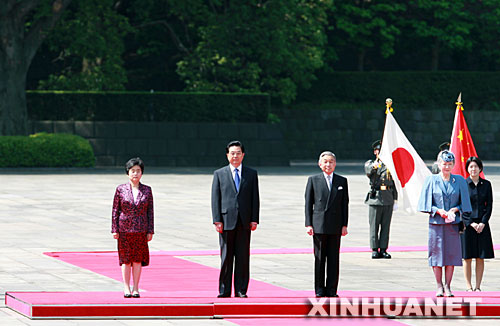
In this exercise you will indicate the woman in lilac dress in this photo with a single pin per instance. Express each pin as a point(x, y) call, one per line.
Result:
point(133, 225)
point(445, 198)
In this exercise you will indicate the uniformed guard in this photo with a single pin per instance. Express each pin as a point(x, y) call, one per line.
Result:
point(382, 200)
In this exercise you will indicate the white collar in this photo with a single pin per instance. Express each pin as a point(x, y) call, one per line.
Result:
point(233, 168)
point(326, 175)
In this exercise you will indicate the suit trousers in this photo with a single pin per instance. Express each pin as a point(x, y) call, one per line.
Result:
point(326, 252)
point(234, 247)
point(380, 225)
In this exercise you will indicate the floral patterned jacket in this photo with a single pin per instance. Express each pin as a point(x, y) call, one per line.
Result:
point(129, 216)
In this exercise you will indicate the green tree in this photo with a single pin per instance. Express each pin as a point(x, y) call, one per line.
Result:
point(271, 46)
point(362, 25)
point(442, 25)
point(88, 44)
point(164, 32)
point(24, 24)
point(485, 33)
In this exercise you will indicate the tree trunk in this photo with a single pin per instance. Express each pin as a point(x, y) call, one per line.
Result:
point(17, 48)
point(13, 70)
point(435, 55)
point(361, 60)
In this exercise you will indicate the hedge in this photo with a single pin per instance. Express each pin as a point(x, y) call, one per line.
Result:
point(45, 150)
point(411, 90)
point(146, 106)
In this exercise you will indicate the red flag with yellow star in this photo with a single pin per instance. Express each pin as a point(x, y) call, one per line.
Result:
point(461, 141)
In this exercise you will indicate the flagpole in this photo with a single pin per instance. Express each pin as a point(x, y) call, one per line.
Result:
point(459, 107)
point(388, 108)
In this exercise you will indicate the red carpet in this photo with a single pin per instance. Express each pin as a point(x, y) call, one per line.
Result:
point(316, 321)
point(175, 287)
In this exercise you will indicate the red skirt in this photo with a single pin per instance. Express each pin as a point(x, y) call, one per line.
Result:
point(133, 248)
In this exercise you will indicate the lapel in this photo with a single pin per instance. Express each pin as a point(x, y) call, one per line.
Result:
point(441, 185)
point(140, 194)
point(333, 191)
point(323, 185)
point(229, 176)
point(130, 194)
point(243, 177)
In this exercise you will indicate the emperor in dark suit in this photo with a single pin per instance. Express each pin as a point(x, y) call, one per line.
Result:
point(235, 213)
point(326, 212)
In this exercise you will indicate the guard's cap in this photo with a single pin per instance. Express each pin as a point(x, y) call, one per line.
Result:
point(377, 144)
point(443, 146)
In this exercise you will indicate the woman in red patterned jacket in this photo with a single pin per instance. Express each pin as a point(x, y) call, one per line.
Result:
point(133, 225)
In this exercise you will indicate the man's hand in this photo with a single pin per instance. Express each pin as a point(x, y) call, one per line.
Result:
point(480, 227)
point(116, 235)
point(309, 230)
point(253, 226)
point(219, 227)
point(344, 230)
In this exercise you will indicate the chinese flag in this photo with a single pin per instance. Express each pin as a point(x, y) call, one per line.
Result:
point(461, 142)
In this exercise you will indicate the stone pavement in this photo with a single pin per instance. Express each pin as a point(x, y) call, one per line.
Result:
point(69, 210)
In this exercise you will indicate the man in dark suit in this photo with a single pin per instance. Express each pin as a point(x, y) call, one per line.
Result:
point(235, 213)
point(326, 211)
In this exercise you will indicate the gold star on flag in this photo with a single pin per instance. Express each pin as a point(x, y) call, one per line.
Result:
point(461, 135)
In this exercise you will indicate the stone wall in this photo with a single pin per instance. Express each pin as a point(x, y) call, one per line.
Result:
point(350, 133)
point(174, 144)
point(301, 135)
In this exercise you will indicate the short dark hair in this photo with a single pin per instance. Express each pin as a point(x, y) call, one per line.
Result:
point(474, 159)
point(235, 143)
point(133, 162)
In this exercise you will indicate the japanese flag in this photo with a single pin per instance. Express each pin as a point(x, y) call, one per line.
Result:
point(405, 165)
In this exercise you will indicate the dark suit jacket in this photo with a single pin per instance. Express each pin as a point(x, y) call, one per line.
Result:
point(481, 199)
point(227, 204)
point(327, 212)
point(129, 217)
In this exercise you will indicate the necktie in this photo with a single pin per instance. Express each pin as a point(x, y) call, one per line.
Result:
point(236, 179)
point(329, 179)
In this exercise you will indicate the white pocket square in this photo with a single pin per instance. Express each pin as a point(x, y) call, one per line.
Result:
point(340, 188)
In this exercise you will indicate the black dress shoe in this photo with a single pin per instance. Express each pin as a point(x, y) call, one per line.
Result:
point(127, 295)
point(223, 295)
point(376, 254)
point(384, 254)
point(136, 295)
point(331, 294)
point(241, 295)
point(320, 293)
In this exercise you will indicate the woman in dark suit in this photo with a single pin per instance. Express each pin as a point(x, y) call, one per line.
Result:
point(476, 239)
point(133, 225)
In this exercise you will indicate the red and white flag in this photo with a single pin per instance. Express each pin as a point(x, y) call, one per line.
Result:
point(407, 168)
point(461, 141)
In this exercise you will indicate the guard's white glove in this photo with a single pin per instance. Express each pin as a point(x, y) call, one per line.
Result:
point(395, 206)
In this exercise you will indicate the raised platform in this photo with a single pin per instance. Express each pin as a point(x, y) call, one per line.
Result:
point(91, 305)
point(172, 287)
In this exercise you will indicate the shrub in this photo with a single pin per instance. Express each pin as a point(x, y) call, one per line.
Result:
point(45, 150)
point(409, 90)
point(146, 106)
